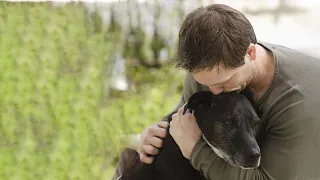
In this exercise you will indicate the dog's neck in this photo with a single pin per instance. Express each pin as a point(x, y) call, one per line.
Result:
point(216, 150)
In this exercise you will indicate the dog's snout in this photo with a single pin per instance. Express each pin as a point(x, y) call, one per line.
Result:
point(251, 158)
point(253, 155)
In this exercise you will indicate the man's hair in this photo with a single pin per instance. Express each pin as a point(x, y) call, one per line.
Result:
point(214, 35)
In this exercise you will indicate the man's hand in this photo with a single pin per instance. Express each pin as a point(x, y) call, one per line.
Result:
point(185, 131)
point(151, 141)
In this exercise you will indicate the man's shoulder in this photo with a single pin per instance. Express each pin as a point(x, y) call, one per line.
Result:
point(297, 74)
point(295, 66)
point(294, 53)
point(305, 52)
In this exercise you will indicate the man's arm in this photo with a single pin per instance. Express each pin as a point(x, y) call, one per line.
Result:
point(289, 151)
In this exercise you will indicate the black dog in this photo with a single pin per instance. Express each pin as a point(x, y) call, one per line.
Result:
point(229, 125)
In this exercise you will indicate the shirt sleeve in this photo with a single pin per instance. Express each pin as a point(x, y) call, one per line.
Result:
point(289, 150)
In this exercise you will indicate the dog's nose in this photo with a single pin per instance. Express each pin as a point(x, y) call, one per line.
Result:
point(254, 154)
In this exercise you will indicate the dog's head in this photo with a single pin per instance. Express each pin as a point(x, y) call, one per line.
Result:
point(229, 125)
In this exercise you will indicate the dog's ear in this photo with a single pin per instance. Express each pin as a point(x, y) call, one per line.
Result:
point(199, 100)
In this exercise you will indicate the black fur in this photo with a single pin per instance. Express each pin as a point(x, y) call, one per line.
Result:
point(227, 121)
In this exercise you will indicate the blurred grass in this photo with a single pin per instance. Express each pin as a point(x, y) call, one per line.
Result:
point(56, 120)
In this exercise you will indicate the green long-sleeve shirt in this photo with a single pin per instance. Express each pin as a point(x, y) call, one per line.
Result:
point(289, 137)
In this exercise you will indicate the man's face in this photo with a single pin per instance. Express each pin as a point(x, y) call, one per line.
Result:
point(224, 80)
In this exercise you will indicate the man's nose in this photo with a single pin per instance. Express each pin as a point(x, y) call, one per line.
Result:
point(216, 90)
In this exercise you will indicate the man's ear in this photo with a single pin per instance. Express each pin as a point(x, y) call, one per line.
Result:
point(251, 52)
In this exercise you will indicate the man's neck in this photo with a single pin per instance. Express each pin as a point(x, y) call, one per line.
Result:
point(264, 73)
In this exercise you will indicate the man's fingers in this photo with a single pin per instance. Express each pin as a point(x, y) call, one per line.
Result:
point(174, 115)
point(158, 131)
point(180, 111)
point(156, 142)
point(161, 133)
point(151, 150)
point(184, 104)
point(170, 129)
point(189, 115)
point(144, 158)
point(152, 131)
point(163, 124)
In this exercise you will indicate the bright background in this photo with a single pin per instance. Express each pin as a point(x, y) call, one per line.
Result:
point(77, 77)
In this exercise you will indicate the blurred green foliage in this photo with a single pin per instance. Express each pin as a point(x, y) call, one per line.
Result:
point(56, 119)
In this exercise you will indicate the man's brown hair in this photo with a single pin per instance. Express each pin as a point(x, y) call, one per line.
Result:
point(214, 35)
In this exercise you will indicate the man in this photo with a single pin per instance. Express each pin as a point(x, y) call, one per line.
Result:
point(219, 50)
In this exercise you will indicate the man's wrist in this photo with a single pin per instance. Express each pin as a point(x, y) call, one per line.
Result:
point(195, 148)
point(191, 147)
